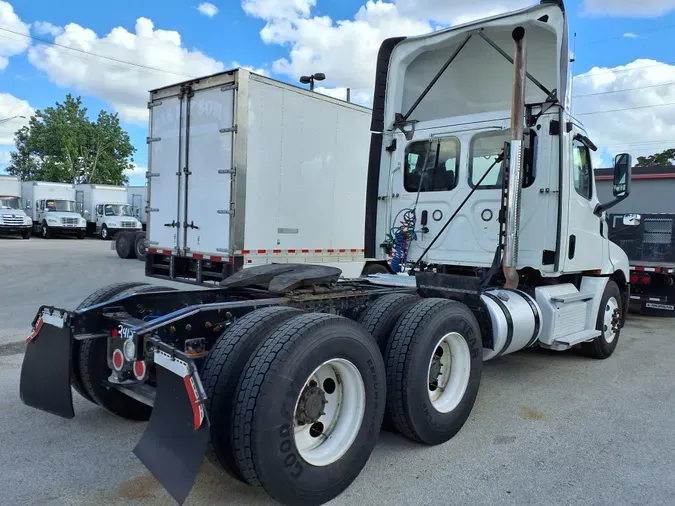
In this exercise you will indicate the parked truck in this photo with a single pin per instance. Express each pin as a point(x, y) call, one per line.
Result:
point(481, 198)
point(137, 197)
point(13, 220)
point(53, 209)
point(286, 191)
point(106, 209)
point(643, 226)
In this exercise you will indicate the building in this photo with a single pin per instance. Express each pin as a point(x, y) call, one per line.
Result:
point(652, 191)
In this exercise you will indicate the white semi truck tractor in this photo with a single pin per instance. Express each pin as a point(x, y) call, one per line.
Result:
point(481, 199)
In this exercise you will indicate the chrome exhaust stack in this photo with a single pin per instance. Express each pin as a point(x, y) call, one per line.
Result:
point(515, 176)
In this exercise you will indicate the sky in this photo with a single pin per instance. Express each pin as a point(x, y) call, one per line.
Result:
point(112, 54)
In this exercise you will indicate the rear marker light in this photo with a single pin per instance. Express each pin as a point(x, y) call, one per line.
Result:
point(139, 370)
point(634, 279)
point(118, 360)
point(38, 326)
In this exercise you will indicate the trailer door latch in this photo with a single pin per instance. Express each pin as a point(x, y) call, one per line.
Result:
point(173, 223)
point(190, 225)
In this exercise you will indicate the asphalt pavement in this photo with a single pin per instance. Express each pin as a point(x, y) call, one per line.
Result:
point(547, 428)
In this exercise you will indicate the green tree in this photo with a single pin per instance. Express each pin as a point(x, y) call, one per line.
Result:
point(62, 144)
point(665, 158)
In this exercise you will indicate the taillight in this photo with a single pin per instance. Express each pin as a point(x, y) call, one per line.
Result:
point(646, 279)
point(634, 278)
point(113, 333)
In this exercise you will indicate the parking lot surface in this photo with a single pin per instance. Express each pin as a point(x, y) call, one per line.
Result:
point(547, 428)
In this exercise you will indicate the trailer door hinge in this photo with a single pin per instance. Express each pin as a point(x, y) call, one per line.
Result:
point(154, 104)
point(230, 129)
point(152, 210)
point(187, 171)
point(152, 139)
point(190, 225)
point(173, 223)
point(226, 171)
point(151, 174)
point(228, 87)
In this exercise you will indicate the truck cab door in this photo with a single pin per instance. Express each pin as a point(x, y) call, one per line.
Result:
point(586, 246)
point(99, 217)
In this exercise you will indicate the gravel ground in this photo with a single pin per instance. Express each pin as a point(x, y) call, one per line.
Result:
point(547, 428)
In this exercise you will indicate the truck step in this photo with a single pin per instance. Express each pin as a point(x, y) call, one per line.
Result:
point(567, 342)
point(568, 298)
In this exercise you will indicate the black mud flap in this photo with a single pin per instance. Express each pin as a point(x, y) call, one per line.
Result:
point(45, 372)
point(174, 442)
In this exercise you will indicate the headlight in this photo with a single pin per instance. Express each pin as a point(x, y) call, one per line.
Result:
point(52, 220)
point(138, 224)
point(83, 222)
point(112, 224)
point(28, 220)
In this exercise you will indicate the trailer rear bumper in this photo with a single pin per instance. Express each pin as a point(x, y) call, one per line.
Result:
point(46, 368)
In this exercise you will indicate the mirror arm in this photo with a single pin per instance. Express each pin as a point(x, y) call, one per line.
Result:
point(601, 208)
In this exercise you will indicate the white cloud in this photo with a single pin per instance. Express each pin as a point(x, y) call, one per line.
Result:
point(632, 8)
point(634, 126)
point(207, 9)
point(630, 35)
point(124, 86)
point(261, 71)
point(136, 175)
point(11, 106)
point(458, 11)
point(4, 158)
point(12, 43)
point(278, 9)
point(46, 28)
point(345, 50)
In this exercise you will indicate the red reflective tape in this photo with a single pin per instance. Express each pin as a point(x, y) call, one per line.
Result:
point(305, 251)
point(639, 268)
point(197, 418)
point(262, 251)
point(152, 250)
point(363, 250)
point(216, 259)
point(291, 251)
point(197, 256)
point(353, 250)
point(245, 251)
point(343, 251)
point(166, 251)
point(276, 251)
point(317, 251)
point(230, 260)
point(38, 326)
point(331, 251)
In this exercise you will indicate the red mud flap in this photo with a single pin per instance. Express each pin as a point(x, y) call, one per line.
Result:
point(174, 441)
point(45, 372)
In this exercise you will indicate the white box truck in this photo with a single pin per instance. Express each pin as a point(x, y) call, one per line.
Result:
point(137, 197)
point(13, 220)
point(106, 209)
point(245, 170)
point(53, 210)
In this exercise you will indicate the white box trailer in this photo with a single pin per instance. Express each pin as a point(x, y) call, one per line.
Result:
point(13, 220)
point(106, 209)
point(53, 209)
point(137, 197)
point(245, 170)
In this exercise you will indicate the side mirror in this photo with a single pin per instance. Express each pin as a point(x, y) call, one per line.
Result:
point(623, 172)
point(137, 213)
point(623, 169)
point(27, 204)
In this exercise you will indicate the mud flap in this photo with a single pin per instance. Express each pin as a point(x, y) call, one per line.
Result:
point(45, 372)
point(174, 442)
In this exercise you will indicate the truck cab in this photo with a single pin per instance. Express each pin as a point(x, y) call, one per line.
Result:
point(12, 218)
point(57, 216)
point(114, 217)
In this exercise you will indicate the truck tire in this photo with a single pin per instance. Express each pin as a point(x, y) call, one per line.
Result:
point(94, 370)
point(46, 232)
point(417, 405)
point(105, 235)
point(609, 315)
point(139, 247)
point(222, 368)
point(100, 295)
point(26, 234)
point(124, 245)
point(380, 319)
point(372, 268)
point(309, 359)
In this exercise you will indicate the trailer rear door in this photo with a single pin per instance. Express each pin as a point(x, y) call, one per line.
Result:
point(165, 165)
point(208, 176)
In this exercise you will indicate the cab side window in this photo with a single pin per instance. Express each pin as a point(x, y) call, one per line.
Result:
point(582, 169)
point(431, 166)
point(99, 210)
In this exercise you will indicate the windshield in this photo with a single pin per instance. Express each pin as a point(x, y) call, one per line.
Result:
point(9, 203)
point(60, 205)
point(118, 210)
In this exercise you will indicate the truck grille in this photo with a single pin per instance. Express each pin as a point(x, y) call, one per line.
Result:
point(128, 224)
point(8, 219)
point(69, 221)
point(658, 231)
